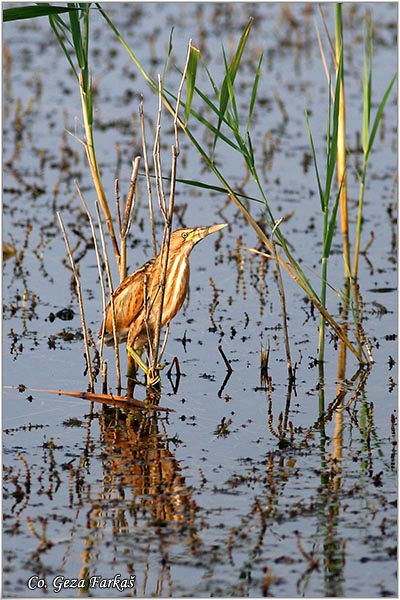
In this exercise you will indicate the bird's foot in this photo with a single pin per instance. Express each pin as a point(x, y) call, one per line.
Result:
point(153, 378)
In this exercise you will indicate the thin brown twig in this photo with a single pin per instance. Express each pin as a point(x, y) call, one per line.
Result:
point(127, 220)
point(148, 180)
point(117, 204)
point(110, 285)
point(331, 44)
point(80, 301)
point(164, 344)
point(98, 258)
point(283, 306)
point(157, 156)
point(130, 201)
point(323, 57)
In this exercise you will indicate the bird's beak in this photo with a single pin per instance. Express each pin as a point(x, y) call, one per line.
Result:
point(201, 232)
point(214, 228)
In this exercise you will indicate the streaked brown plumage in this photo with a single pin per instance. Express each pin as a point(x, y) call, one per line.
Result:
point(129, 297)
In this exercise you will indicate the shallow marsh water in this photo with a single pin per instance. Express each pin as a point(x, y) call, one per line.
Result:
point(209, 500)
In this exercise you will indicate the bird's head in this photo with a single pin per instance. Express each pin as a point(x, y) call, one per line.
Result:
point(186, 239)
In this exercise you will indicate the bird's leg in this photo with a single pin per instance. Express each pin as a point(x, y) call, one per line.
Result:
point(134, 359)
point(137, 359)
point(132, 373)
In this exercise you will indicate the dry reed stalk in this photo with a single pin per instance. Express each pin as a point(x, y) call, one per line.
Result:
point(98, 259)
point(110, 285)
point(125, 223)
point(323, 57)
point(80, 301)
point(283, 306)
point(148, 180)
point(328, 37)
point(341, 158)
point(94, 168)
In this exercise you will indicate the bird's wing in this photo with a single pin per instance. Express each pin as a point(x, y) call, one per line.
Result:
point(128, 299)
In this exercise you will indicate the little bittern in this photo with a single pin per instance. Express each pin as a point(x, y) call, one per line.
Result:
point(137, 300)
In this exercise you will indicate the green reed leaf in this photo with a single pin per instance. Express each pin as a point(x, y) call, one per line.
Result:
point(77, 40)
point(330, 231)
point(254, 90)
point(378, 116)
point(230, 75)
point(314, 157)
point(367, 85)
point(332, 152)
point(58, 26)
point(191, 73)
point(31, 12)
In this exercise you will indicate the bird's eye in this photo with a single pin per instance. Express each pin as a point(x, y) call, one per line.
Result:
point(184, 235)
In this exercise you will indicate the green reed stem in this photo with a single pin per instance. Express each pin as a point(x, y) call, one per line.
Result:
point(325, 192)
point(368, 135)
